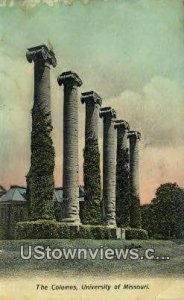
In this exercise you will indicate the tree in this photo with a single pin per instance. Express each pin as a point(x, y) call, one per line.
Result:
point(166, 212)
point(135, 213)
point(148, 218)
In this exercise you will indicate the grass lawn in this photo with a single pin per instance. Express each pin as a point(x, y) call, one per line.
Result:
point(11, 264)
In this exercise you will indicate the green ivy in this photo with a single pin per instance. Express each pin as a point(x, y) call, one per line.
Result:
point(91, 212)
point(41, 178)
point(122, 189)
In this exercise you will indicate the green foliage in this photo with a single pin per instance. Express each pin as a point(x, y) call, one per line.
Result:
point(13, 213)
point(50, 229)
point(85, 232)
point(58, 208)
point(6, 228)
point(40, 229)
point(147, 214)
point(28, 195)
point(2, 232)
point(127, 204)
point(63, 231)
point(135, 212)
point(165, 215)
point(122, 188)
point(159, 237)
point(97, 232)
point(42, 166)
point(73, 232)
point(45, 229)
point(136, 233)
point(91, 211)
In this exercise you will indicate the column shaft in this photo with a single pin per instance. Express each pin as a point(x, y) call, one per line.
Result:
point(91, 212)
point(70, 152)
point(135, 214)
point(41, 179)
point(91, 123)
point(109, 167)
point(122, 175)
point(134, 166)
point(71, 82)
point(42, 86)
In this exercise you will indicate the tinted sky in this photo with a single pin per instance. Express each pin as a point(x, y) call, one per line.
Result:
point(130, 52)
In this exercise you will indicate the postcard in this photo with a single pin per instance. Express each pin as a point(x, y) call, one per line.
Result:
point(91, 149)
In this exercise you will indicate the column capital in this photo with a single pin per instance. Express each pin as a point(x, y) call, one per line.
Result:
point(134, 134)
point(124, 125)
point(107, 112)
point(91, 96)
point(41, 53)
point(69, 77)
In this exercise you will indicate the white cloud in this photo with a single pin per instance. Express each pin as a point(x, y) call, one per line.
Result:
point(157, 112)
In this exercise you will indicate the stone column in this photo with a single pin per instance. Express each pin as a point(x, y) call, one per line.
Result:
point(91, 211)
point(71, 82)
point(109, 165)
point(42, 58)
point(135, 218)
point(42, 151)
point(134, 138)
point(93, 103)
point(122, 174)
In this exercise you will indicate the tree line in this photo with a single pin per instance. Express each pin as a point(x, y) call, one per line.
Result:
point(164, 217)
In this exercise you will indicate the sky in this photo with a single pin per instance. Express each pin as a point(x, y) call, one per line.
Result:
point(130, 52)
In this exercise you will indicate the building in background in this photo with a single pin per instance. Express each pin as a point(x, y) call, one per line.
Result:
point(2, 190)
point(14, 207)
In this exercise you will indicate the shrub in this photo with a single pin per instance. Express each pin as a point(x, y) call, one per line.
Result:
point(97, 232)
point(63, 231)
point(159, 236)
point(136, 233)
point(48, 229)
point(103, 232)
point(85, 232)
point(40, 229)
point(73, 231)
point(2, 233)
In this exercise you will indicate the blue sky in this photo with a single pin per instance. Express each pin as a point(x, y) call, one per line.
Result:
point(130, 52)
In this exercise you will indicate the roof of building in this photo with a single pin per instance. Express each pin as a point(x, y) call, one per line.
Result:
point(58, 194)
point(15, 193)
point(2, 189)
point(18, 193)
